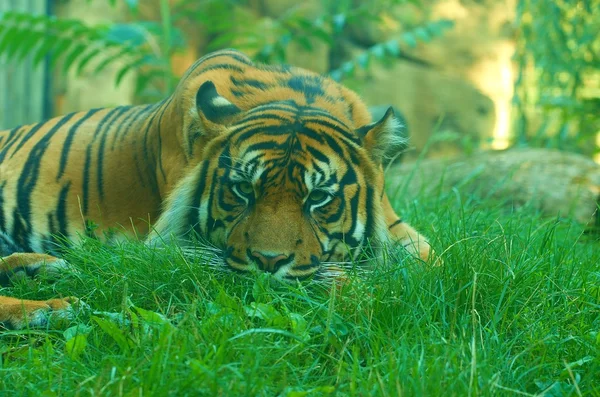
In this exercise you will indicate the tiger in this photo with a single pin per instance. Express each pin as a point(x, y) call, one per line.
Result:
point(278, 167)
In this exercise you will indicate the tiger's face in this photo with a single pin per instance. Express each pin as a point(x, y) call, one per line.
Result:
point(285, 188)
point(285, 204)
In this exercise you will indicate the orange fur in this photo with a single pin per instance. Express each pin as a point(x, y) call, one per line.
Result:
point(130, 167)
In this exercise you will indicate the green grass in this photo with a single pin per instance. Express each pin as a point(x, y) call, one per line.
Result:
point(515, 310)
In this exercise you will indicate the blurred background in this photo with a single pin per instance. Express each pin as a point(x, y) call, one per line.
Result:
point(466, 75)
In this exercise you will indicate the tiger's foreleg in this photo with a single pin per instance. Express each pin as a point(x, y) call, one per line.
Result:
point(414, 242)
point(20, 265)
point(20, 313)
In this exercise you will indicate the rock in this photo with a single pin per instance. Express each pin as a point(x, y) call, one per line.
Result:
point(557, 183)
point(431, 103)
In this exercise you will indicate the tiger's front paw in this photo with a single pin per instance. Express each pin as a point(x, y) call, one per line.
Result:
point(29, 265)
point(422, 249)
point(20, 313)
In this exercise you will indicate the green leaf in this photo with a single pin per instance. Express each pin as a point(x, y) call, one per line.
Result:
point(58, 50)
point(79, 329)
point(422, 34)
point(298, 325)
point(378, 50)
point(43, 50)
point(75, 346)
point(113, 58)
point(76, 340)
point(409, 38)
point(128, 67)
point(76, 52)
point(338, 22)
point(114, 332)
point(336, 75)
point(392, 47)
point(153, 317)
point(263, 311)
point(8, 38)
point(26, 46)
point(348, 67)
point(87, 58)
point(363, 60)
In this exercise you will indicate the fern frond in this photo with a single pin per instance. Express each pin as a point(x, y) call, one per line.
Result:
point(392, 48)
point(72, 42)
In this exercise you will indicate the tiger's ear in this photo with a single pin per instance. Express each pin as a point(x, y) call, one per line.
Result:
point(383, 137)
point(213, 107)
point(208, 118)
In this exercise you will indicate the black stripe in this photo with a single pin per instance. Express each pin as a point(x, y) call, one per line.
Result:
point(159, 154)
point(86, 180)
point(13, 138)
point(317, 112)
point(123, 129)
point(225, 53)
point(310, 86)
point(29, 134)
point(352, 138)
point(229, 52)
point(100, 158)
point(223, 66)
point(310, 133)
point(61, 211)
point(88, 160)
point(9, 143)
point(399, 221)
point(148, 161)
point(249, 82)
point(69, 141)
point(287, 105)
point(317, 154)
point(211, 223)
point(265, 117)
point(370, 226)
point(194, 213)
point(27, 182)
point(2, 219)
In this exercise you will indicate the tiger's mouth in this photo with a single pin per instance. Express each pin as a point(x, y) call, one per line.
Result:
point(280, 266)
point(286, 270)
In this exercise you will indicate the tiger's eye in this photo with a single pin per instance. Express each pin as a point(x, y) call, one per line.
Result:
point(245, 188)
point(316, 196)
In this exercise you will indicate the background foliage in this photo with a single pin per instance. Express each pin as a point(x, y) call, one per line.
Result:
point(148, 45)
point(558, 54)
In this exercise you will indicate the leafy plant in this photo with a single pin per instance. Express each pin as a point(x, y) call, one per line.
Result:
point(147, 46)
point(558, 56)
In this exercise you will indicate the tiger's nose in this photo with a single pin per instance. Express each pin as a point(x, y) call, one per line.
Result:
point(268, 262)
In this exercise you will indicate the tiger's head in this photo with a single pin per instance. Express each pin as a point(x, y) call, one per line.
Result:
point(288, 175)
